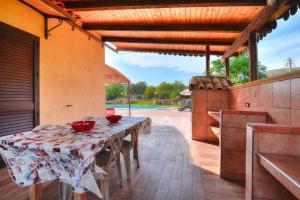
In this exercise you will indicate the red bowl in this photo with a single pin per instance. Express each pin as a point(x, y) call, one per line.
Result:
point(114, 118)
point(83, 126)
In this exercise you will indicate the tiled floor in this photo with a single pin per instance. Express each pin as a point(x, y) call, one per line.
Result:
point(172, 167)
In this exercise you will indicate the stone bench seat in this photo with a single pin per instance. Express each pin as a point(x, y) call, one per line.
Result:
point(272, 162)
point(214, 115)
point(216, 130)
point(286, 169)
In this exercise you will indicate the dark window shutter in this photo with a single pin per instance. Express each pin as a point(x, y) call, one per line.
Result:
point(18, 64)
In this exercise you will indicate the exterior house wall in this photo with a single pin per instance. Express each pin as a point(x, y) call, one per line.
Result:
point(71, 66)
point(279, 97)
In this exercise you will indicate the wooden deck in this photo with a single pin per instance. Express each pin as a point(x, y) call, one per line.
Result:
point(172, 167)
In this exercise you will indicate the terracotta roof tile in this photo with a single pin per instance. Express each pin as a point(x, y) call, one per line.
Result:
point(209, 83)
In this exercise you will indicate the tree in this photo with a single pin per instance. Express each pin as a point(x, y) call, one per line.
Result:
point(115, 91)
point(164, 90)
point(218, 68)
point(169, 90)
point(178, 86)
point(138, 88)
point(262, 71)
point(239, 69)
point(150, 92)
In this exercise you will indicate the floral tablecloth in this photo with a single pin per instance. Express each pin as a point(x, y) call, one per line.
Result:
point(53, 152)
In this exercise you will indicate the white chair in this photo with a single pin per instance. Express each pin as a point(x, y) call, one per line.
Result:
point(127, 146)
point(109, 156)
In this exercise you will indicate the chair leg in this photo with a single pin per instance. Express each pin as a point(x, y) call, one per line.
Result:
point(104, 187)
point(80, 196)
point(36, 191)
point(126, 156)
point(136, 156)
point(119, 170)
point(65, 191)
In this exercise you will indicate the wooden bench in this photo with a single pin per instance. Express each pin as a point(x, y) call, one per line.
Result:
point(230, 127)
point(272, 162)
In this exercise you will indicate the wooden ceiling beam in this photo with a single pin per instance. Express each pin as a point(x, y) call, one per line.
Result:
point(84, 5)
point(169, 41)
point(173, 52)
point(269, 14)
point(67, 18)
point(229, 28)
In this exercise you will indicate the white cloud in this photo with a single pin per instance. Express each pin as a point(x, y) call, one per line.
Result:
point(282, 43)
point(274, 53)
point(149, 60)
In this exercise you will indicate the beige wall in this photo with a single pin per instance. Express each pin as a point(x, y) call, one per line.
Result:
point(71, 66)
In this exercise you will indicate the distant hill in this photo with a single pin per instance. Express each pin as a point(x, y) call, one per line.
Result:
point(274, 72)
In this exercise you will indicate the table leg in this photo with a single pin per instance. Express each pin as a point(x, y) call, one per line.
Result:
point(80, 196)
point(135, 151)
point(64, 191)
point(36, 191)
point(135, 145)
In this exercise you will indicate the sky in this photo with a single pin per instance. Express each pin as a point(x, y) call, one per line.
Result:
point(273, 52)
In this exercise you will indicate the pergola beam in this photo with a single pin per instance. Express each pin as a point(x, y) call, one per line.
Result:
point(253, 60)
point(171, 52)
point(207, 56)
point(169, 41)
point(227, 67)
point(68, 19)
point(140, 4)
point(229, 28)
point(270, 13)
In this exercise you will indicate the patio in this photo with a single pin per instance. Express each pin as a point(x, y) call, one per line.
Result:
point(172, 167)
point(239, 142)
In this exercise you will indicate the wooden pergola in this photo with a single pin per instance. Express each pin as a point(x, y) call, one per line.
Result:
point(187, 28)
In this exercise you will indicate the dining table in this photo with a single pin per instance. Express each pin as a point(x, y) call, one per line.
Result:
point(57, 152)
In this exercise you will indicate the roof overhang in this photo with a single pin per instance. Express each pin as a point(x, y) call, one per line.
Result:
point(172, 26)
